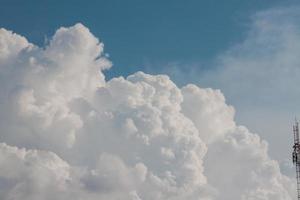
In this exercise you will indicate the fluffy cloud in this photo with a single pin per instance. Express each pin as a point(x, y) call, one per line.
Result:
point(67, 133)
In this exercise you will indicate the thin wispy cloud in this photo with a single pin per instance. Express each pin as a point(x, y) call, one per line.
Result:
point(258, 75)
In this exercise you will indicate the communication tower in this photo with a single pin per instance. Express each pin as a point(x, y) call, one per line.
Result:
point(296, 155)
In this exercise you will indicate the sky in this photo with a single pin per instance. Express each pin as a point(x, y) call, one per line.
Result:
point(141, 33)
point(111, 126)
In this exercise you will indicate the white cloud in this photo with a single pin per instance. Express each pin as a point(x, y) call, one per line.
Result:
point(266, 62)
point(32, 174)
point(139, 138)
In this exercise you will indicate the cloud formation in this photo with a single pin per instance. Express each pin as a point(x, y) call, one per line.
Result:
point(67, 133)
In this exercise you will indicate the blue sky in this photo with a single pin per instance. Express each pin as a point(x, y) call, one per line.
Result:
point(137, 34)
point(228, 45)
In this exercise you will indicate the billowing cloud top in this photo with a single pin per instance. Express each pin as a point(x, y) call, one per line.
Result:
point(66, 133)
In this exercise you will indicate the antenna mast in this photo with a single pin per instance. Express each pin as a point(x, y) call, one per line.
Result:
point(296, 155)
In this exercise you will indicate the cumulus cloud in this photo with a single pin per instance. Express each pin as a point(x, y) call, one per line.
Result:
point(67, 133)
